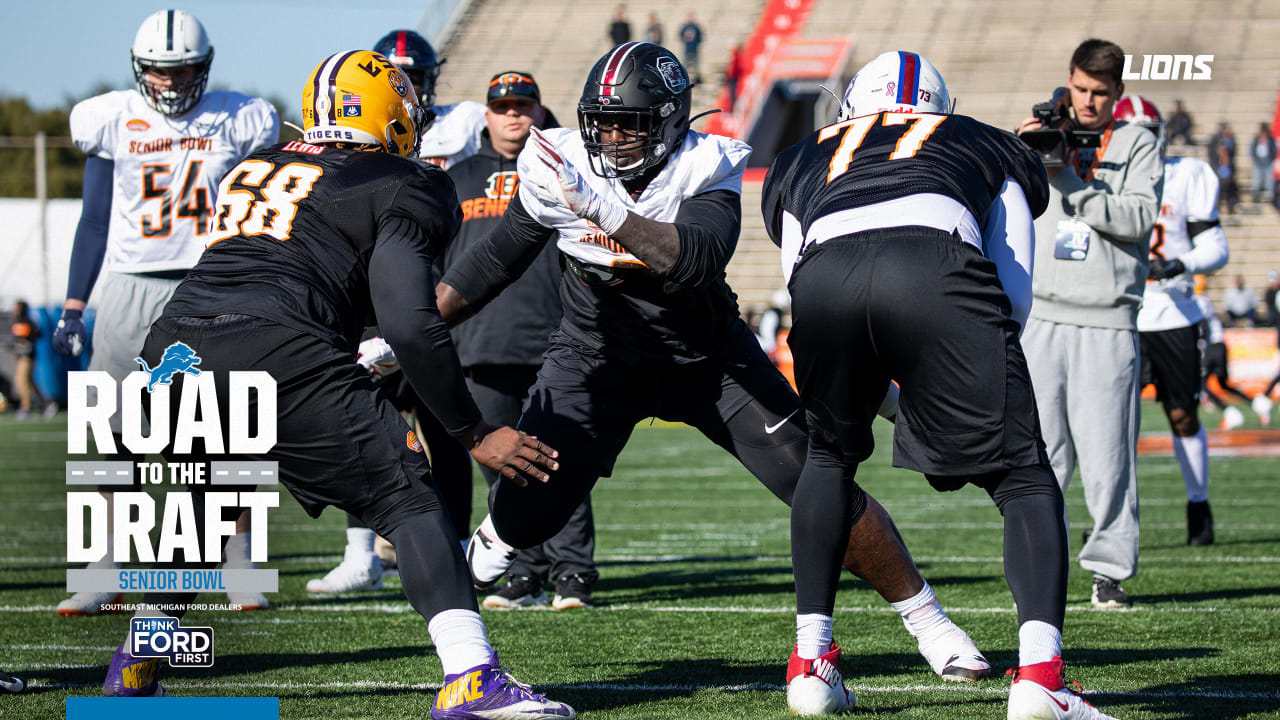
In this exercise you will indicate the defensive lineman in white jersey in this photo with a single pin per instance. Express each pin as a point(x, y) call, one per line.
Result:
point(1188, 239)
point(155, 156)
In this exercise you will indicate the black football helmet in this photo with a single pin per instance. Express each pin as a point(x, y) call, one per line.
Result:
point(416, 58)
point(643, 90)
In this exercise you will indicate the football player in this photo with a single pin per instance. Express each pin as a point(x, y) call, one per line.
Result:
point(315, 238)
point(1214, 364)
point(454, 135)
point(906, 235)
point(1187, 239)
point(646, 214)
point(155, 156)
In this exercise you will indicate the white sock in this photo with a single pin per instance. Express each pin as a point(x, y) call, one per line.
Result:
point(1193, 458)
point(236, 553)
point(922, 614)
point(460, 640)
point(813, 635)
point(1038, 642)
point(359, 541)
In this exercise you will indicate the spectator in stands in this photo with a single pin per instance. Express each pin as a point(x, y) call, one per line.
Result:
point(653, 31)
point(733, 73)
point(620, 28)
point(1222, 158)
point(1241, 303)
point(1269, 302)
point(691, 36)
point(25, 333)
point(1263, 151)
point(1179, 127)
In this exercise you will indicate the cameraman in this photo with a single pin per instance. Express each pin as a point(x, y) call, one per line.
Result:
point(1081, 341)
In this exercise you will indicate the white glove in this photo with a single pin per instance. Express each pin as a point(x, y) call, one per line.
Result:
point(375, 355)
point(562, 185)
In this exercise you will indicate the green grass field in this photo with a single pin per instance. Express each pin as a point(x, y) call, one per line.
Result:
point(696, 599)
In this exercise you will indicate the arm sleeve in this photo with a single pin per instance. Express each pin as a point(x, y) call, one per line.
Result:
point(708, 226)
point(493, 263)
point(90, 244)
point(1008, 239)
point(1126, 214)
point(402, 287)
point(1209, 241)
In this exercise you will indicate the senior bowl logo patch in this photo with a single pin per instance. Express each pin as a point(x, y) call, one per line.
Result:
point(138, 125)
point(411, 440)
point(673, 75)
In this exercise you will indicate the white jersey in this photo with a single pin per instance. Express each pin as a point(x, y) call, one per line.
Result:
point(167, 169)
point(1211, 318)
point(703, 163)
point(455, 134)
point(1190, 196)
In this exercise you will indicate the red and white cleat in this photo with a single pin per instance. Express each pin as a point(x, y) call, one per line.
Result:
point(1040, 693)
point(815, 687)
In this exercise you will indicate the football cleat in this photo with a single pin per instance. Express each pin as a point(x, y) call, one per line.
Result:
point(129, 676)
point(489, 692)
point(573, 592)
point(1199, 523)
point(11, 683)
point(1040, 693)
point(84, 604)
point(358, 572)
point(815, 687)
point(1262, 406)
point(487, 556)
point(953, 656)
point(1232, 418)
point(1108, 595)
point(520, 591)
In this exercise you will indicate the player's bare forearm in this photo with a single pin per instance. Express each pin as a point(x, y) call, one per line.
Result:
point(453, 307)
point(657, 244)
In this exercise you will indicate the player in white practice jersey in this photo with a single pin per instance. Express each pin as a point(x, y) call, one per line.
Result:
point(1187, 239)
point(155, 156)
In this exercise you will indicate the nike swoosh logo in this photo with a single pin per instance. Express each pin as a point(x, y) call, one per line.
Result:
point(13, 684)
point(771, 429)
point(1058, 702)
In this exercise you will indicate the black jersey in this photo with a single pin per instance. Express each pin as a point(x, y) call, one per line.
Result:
point(875, 158)
point(294, 229)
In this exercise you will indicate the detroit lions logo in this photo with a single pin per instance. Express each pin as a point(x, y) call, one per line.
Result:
point(177, 358)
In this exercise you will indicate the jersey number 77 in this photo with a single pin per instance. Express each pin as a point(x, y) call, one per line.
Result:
point(918, 129)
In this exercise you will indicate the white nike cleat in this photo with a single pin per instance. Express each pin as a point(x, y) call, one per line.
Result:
point(488, 556)
point(1039, 693)
point(1262, 406)
point(12, 683)
point(815, 687)
point(84, 604)
point(1232, 418)
point(953, 656)
point(358, 571)
point(246, 600)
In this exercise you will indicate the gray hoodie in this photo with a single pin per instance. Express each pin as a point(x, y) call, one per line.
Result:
point(1121, 205)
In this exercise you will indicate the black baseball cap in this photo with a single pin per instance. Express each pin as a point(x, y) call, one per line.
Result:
point(513, 84)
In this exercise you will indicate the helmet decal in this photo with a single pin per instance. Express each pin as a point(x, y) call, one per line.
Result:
point(672, 74)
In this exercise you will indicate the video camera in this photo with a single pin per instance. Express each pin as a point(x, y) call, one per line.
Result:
point(1057, 131)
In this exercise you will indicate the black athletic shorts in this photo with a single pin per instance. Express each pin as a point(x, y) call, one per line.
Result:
point(1215, 362)
point(921, 307)
point(1171, 361)
point(338, 441)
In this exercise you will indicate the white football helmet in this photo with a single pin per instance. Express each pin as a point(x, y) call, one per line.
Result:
point(896, 81)
point(172, 39)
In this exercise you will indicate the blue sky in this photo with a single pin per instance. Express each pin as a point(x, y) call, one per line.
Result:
point(59, 49)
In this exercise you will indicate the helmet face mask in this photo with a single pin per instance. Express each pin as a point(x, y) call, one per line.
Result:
point(634, 110)
point(165, 41)
point(415, 56)
point(362, 98)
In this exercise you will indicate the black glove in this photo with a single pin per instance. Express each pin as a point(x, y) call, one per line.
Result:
point(70, 337)
point(1162, 269)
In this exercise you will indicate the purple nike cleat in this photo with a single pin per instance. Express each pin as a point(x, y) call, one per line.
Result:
point(488, 692)
point(129, 676)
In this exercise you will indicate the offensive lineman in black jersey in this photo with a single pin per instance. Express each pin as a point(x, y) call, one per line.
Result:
point(906, 235)
point(309, 243)
point(651, 328)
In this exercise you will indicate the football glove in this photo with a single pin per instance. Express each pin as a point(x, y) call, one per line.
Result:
point(70, 338)
point(375, 356)
point(562, 185)
point(1162, 269)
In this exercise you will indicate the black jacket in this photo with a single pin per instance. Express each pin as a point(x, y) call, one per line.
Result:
point(514, 327)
